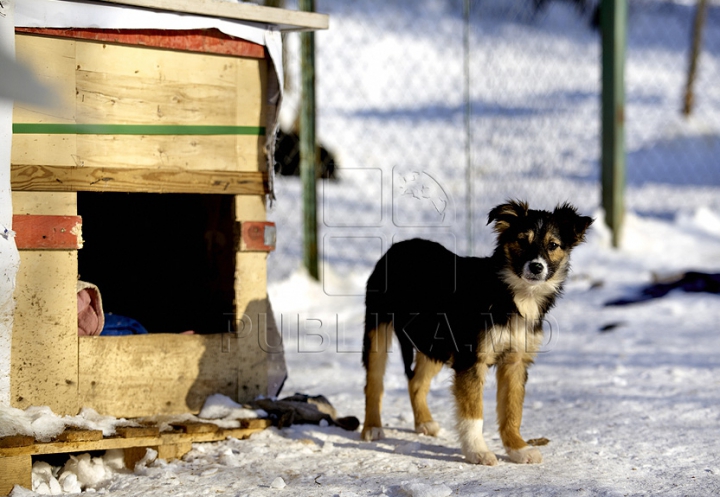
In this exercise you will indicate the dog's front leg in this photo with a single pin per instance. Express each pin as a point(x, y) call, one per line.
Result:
point(511, 379)
point(468, 390)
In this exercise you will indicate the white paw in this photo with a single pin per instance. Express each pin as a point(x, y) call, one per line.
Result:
point(372, 433)
point(484, 458)
point(430, 428)
point(526, 455)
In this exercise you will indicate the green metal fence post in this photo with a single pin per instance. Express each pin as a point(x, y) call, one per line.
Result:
point(308, 154)
point(613, 22)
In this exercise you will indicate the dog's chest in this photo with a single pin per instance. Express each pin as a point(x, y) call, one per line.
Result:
point(520, 334)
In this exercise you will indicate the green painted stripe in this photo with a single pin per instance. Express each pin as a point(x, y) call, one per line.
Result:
point(133, 129)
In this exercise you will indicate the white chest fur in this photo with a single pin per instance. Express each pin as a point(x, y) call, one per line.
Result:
point(518, 337)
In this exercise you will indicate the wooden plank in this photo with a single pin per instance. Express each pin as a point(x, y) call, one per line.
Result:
point(47, 232)
point(79, 435)
point(191, 40)
point(88, 179)
point(286, 20)
point(16, 441)
point(173, 451)
point(214, 436)
point(125, 443)
point(134, 100)
point(160, 66)
point(16, 470)
point(254, 423)
point(137, 431)
point(215, 153)
point(194, 428)
point(70, 447)
point(144, 375)
point(132, 455)
point(44, 361)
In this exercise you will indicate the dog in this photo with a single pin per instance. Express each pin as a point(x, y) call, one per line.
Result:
point(470, 313)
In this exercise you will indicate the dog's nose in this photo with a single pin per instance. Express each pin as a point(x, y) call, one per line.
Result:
point(536, 267)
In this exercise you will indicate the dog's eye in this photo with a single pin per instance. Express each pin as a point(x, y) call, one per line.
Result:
point(553, 246)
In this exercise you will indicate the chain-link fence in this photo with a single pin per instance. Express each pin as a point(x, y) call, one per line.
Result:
point(419, 152)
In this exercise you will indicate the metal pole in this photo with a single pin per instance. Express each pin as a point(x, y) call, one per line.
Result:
point(613, 24)
point(469, 194)
point(700, 14)
point(308, 155)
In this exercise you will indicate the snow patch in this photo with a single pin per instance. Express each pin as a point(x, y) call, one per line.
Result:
point(426, 490)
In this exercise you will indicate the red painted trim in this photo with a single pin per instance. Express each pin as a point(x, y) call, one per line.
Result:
point(252, 236)
point(190, 40)
point(47, 232)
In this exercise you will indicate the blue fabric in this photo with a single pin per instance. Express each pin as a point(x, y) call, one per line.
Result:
point(120, 325)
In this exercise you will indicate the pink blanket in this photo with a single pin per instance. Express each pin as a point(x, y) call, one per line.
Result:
point(90, 312)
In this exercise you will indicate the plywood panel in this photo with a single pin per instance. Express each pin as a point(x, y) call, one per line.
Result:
point(127, 85)
point(142, 375)
point(261, 360)
point(44, 203)
point(44, 341)
point(123, 85)
point(49, 150)
point(53, 62)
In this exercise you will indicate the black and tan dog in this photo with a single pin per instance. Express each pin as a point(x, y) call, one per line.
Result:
point(470, 313)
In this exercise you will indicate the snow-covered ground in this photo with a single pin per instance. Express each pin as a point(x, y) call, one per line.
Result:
point(634, 410)
point(629, 397)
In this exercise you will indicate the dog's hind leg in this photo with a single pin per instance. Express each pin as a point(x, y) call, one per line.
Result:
point(511, 379)
point(377, 347)
point(468, 390)
point(419, 386)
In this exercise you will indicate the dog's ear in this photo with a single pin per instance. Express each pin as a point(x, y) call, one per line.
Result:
point(504, 215)
point(576, 224)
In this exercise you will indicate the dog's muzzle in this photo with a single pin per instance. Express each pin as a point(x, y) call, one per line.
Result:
point(535, 270)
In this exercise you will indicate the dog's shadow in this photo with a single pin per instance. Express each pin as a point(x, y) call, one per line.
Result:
point(415, 448)
point(398, 446)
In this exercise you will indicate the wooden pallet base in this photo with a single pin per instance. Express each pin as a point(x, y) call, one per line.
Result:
point(16, 452)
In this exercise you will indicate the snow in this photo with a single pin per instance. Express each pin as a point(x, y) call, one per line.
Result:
point(42, 424)
point(627, 396)
point(220, 406)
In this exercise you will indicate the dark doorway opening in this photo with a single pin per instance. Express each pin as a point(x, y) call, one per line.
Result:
point(166, 260)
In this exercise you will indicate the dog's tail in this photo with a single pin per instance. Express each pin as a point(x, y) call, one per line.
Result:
point(371, 324)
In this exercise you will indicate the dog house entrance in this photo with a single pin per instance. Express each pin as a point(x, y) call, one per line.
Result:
point(165, 260)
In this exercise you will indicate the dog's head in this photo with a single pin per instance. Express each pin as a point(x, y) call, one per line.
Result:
point(536, 244)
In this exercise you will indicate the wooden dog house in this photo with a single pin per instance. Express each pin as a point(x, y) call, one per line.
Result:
point(152, 178)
